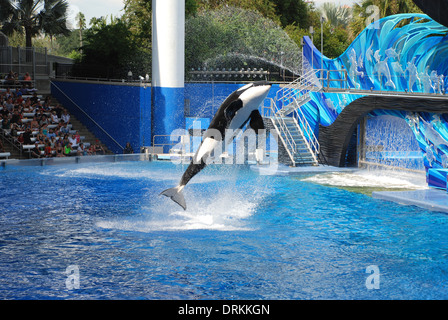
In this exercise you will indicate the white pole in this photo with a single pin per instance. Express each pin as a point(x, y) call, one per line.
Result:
point(168, 66)
point(168, 41)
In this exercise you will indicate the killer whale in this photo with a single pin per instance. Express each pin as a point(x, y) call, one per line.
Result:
point(238, 108)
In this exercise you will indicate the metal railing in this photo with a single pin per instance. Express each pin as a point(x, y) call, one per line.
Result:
point(171, 144)
point(21, 60)
point(282, 128)
point(298, 88)
point(291, 98)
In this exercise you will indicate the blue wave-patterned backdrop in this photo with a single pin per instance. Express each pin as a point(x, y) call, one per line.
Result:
point(406, 52)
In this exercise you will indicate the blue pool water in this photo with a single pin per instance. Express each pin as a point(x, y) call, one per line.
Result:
point(244, 236)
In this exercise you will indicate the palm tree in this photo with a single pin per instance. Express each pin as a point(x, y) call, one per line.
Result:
point(34, 17)
point(81, 22)
point(54, 18)
point(337, 16)
point(386, 8)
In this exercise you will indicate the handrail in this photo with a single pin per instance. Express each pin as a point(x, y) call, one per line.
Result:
point(296, 93)
point(281, 128)
point(312, 143)
point(87, 115)
point(173, 143)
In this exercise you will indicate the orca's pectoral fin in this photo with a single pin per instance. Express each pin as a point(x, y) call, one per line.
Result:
point(230, 111)
point(256, 121)
point(176, 195)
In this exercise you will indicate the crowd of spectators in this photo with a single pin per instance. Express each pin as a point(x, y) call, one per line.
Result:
point(14, 80)
point(38, 127)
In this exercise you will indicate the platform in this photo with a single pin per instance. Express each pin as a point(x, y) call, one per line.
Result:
point(283, 170)
point(430, 199)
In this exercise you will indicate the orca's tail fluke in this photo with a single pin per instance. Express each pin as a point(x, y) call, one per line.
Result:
point(176, 195)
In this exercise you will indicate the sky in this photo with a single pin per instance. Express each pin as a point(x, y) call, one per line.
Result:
point(98, 8)
point(95, 8)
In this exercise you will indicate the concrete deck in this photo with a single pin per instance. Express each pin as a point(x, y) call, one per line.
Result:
point(282, 170)
point(430, 199)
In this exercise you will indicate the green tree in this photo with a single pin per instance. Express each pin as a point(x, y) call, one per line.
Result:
point(33, 17)
point(265, 7)
point(54, 19)
point(336, 40)
point(110, 51)
point(293, 12)
point(337, 16)
point(235, 37)
point(81, 24)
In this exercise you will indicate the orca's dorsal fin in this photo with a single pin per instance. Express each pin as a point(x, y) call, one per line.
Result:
point(232, 108)
point(256, 121)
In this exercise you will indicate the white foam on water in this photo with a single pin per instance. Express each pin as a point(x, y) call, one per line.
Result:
point(222, 211)
point(372, 178)
point(118, 170)
point(223, 206)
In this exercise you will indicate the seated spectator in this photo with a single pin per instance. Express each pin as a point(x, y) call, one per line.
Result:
point(78, 137)
point(98, 148)
point(47, 103)
point(20, 139)
point(59, 150)
point(27, 137)
point(51, 134)
point(45, 129)
point(65, 117)
point(73, 140)
point(27, 77)
point(9, 79)
point(91, 150)
point(6, 124)
point(48, 150)
point(34, 124)
point(43, 120)
point(64, 129)
point(16, 117)
point(54, 117)
point(53, 141)
point(41, 136)
point(81, 150)
point(35, 152)
point(34, 99)
point(9, 105)
point(128, 149)
point(24, 89)
point(68, 150)
point(15, 128)
point(65, 140)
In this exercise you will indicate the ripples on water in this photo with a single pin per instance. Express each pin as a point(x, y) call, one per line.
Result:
point(243, 236)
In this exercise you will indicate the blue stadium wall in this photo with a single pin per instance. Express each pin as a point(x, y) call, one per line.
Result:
point(125, 111)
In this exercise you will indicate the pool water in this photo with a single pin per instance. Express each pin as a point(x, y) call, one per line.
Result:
point(243, 236)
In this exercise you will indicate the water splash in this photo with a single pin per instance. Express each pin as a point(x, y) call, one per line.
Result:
point(215, 200)
point(292, 65)
point(238, 38)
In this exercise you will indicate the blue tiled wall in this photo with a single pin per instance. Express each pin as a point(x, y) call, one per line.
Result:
point(123, 111)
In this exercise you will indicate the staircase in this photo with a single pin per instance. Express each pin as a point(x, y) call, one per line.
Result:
point(89, 137)
point(290, 123)
point(302, 155)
